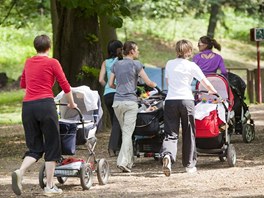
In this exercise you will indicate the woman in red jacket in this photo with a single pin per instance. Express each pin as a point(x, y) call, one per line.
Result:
point(39, 115)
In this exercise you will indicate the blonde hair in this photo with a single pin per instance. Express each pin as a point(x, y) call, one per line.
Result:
point(184, 49)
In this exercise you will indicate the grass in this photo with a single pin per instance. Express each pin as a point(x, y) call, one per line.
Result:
point(10, 102)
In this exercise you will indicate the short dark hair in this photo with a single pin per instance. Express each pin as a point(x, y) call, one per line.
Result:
point(42, 43)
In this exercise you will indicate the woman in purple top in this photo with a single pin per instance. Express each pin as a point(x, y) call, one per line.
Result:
point(207, 60)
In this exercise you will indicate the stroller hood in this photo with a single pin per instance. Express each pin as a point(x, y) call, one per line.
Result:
point(87, 100)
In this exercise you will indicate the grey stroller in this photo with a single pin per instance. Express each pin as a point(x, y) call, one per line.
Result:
point(78, 127)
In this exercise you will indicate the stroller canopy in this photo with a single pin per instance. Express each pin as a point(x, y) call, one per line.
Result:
point(87, 100)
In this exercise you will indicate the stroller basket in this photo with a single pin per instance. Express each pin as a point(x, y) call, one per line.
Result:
point(148, 122)
point(68, 169)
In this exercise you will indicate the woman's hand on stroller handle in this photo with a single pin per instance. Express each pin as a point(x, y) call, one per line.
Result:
point(76, 108)
point(207, 92)
point(72, 106)
point(213, 93)
point(158, 89)
point(160, 92)
point(68, 105)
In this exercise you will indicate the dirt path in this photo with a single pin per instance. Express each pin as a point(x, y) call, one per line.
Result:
point(213, 179)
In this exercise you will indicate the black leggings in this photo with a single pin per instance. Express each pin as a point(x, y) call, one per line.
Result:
point(40, 121)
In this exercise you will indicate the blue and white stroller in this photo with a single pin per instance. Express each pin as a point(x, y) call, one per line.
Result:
point(78, 127)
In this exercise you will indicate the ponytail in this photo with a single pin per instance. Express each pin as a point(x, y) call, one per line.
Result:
point(210, 43)
point(216, 45)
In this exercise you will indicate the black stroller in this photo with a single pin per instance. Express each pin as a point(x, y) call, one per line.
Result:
point(244, 125)
point(149, 131)
point(78, 127)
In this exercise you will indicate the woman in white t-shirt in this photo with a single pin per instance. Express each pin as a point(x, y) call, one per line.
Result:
point(179, 108)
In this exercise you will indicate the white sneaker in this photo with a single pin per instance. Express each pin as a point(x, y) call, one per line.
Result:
point(52, 191)
point(125, 169)
point(191, 170)
point(166, 168)
point(16, 182)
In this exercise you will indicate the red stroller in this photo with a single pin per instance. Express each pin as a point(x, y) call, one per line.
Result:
point(214, 117)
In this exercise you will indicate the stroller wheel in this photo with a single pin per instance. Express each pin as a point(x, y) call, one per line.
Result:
point(42, 176)
point(62, 180)
point(248, 133)
point(86, 176)
point(103, 171)
point(222, 159)
point(156, 158)
point(231, 155)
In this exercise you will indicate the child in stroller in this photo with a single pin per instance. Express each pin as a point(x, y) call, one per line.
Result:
point(214, 117)
point(244, 125)
point(78, 127)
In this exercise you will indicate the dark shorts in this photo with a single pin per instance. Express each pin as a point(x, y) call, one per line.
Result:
point(40, 121)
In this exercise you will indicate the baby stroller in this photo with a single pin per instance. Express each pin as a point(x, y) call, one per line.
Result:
point(78, 127)
point(214, 117)
point(244, 125)
point(149, 131)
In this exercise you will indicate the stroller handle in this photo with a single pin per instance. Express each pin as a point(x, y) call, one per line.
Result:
point(203, 91)
point(77, 109)
point(217, 95)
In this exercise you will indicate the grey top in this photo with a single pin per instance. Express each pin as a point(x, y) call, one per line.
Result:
point(126, 73)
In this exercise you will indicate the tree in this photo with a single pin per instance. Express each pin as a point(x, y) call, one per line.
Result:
point(81, 29)
point(214, 8)
point(214, 17)
point(76, 28)
point(21, 13)
point(107, 33)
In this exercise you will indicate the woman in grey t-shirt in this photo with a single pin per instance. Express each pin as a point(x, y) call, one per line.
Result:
point(126, 73)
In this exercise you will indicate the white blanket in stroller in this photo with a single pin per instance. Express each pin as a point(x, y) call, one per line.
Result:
point(203, 109)
point(91, 97)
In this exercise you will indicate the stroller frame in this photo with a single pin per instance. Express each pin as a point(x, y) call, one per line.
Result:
point(244, 124)
point(147, 143)
point(82, 169)
point(227, 150)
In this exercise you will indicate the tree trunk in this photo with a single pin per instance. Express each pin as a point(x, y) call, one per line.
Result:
point(107, 33)
point(215, 9)
point(54, 19)
point(76, 45)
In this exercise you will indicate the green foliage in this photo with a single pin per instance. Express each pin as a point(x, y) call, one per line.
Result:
point(88, 72)
point(166, 29)
point(113, 9)
point(157, 9)
point(91, 38)
point(22, 13)
point(17, 45)
point(239, 25)
point(115, 21)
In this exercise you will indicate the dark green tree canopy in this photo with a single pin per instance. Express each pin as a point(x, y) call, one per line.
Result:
point(20, 13)
point(113, 9)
